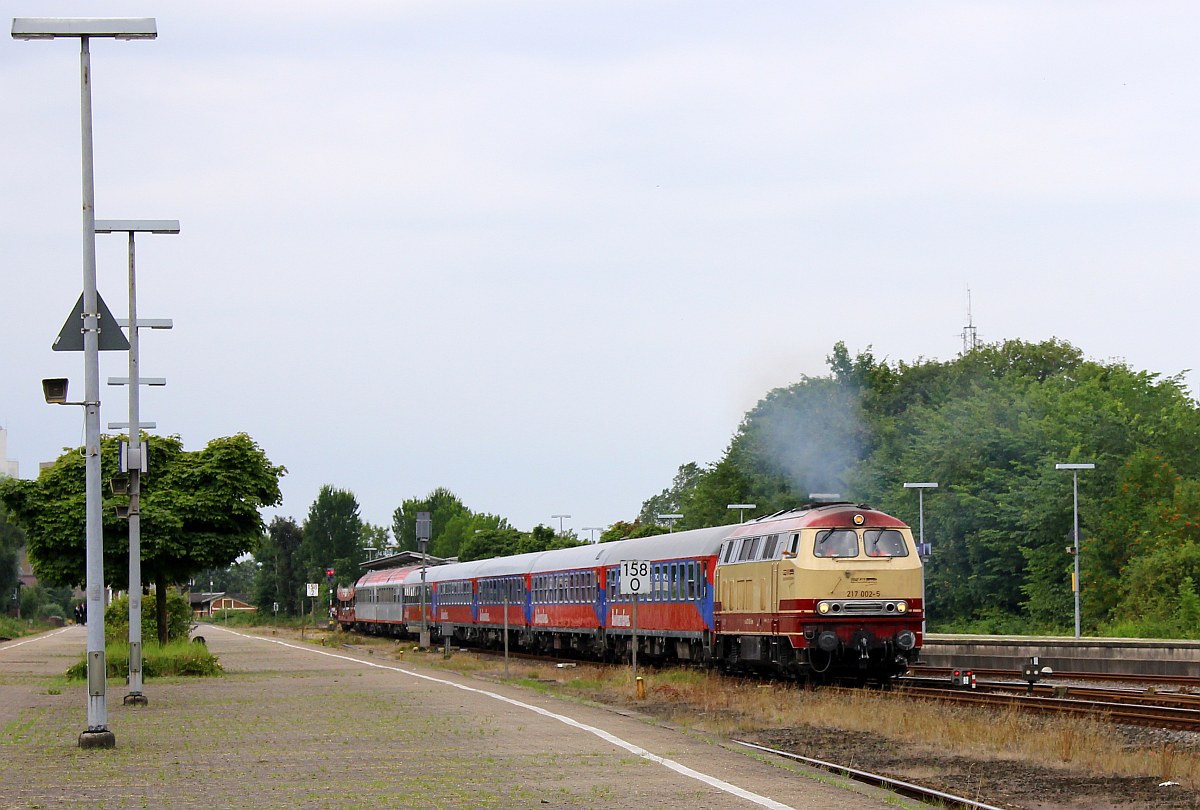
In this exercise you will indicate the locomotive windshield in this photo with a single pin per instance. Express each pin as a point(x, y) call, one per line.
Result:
point(884, 543)
point(836, 543)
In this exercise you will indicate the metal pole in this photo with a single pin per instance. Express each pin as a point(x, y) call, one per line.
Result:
point(135, 695)
point(635, 639)
point(506, 630)
point(424, 639)
point(97, 734)
point(921, 524)
point(1075, 488)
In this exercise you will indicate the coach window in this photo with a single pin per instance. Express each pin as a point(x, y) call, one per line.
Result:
point(836, 543)
point(727, 552)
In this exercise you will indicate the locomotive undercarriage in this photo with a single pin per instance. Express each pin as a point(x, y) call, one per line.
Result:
point(865, 658)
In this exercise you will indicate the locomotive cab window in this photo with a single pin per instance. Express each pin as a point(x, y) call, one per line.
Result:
point(836, 543)
point(884, 543)
point(770, 547)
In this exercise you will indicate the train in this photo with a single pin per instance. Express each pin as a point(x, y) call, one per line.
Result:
point(821, 592)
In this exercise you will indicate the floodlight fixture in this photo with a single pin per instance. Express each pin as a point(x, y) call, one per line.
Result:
point(54, 390)
point(742, 507)
point(81, 27)
point(137, 226)
point(670, 518)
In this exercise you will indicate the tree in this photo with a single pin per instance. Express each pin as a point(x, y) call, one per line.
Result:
point(443, 507)
point(280, 578)
point(670, 500)
point(199, 510)
point(332, 536)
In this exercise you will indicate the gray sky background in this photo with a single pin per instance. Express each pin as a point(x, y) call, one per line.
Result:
point(542, 253)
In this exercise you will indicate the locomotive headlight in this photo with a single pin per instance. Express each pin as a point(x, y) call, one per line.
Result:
point(902, 607)
point(823, 607)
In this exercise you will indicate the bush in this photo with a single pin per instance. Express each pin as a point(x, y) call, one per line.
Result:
point(179, 619)
point(176, 658)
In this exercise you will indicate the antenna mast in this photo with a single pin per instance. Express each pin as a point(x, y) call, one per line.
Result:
point(969, 337)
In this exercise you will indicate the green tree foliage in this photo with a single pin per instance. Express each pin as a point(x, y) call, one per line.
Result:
point(624, 530)
point(449, 517)
point(670, 500)
point(504, 540)
point(280, 577)
point(199, 510)
point(12, 539)
point(333, 536)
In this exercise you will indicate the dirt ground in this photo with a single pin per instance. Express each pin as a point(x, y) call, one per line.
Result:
point(1000, 783)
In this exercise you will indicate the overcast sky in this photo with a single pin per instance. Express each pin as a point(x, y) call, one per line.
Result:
point(542, 253)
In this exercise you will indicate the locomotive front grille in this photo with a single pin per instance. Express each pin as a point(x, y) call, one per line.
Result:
point(862, 607)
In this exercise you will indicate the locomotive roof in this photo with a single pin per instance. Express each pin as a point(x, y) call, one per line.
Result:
point(823, 515)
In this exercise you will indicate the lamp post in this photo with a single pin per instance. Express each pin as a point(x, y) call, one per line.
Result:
point(85, 29)
point(593, 530)
point(1075, 468)
point(670, 519)
point(136, 461)
point(560, 521)
point(742, 507)
point(922, 549)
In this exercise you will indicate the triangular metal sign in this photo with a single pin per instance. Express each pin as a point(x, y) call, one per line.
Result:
point(70, 337)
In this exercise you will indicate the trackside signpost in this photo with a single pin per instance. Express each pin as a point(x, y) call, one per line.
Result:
point(634, 580)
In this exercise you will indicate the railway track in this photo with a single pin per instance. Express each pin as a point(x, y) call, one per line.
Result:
point(922, 671)
point(907, 789)
point(1158, 710)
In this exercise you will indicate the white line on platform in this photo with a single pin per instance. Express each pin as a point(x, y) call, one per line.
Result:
point(679, 768)
point(31, 640)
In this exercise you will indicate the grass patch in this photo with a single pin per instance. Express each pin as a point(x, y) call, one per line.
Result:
point(158, 661)
point(11, 627)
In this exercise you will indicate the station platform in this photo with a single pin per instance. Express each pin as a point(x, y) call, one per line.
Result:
point(1103, 656)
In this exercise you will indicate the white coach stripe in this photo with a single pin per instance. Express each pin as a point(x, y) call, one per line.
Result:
point(679, 768)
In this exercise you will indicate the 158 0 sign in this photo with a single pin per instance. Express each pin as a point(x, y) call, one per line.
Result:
point(635, 576)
